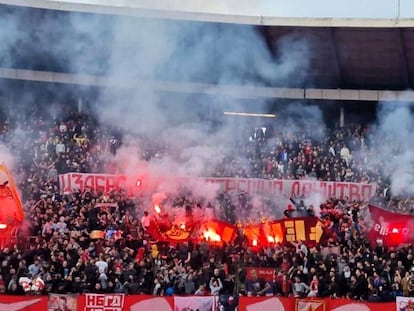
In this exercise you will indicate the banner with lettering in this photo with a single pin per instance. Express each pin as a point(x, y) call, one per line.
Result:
point(97, 182)
point(121, 302)
point(306, 229)
point(288, 188)
point(115, 302)
point(320, 304)
point(295, 188)
point(392, 229)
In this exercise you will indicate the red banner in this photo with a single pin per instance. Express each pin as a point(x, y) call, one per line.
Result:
point(115, 302)
point(11, 212)
point(267, 274)
point(290, 304)
point(16, 303)
point(288, 188)
point(173, 234)
point(306, 229)
point(8, 189)
point(213, 231)
point(121, 302)
point(391, 228)
point(217, 231)
point(351, 305)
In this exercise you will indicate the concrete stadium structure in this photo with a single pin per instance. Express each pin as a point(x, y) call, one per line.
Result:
point(362, 50)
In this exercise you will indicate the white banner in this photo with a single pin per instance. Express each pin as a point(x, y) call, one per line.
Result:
point(104, 302)
point(58, 302)
point(93, 182)
point(206, 303)
point(106, 206)
point(404, 303)
point(296, 188)
point(287, 188)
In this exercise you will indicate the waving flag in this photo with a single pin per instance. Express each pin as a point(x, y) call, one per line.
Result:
point(11, 208)
point(391, 228)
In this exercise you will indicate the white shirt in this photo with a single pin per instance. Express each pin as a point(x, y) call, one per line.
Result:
point(146, 221)
point(102, 266)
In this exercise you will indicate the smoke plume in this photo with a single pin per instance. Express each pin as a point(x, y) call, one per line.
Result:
point(182, 124)
point(163, 134)
point(393, 151)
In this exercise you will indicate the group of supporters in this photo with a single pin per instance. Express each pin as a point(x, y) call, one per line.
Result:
point(62, 254)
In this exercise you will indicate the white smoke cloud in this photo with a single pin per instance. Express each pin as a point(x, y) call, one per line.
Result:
point(222, 54)
point(189, 128)
point(305, 119)
point(9, 36)
point(193, 52)
point(7, 157)
point(392, 151)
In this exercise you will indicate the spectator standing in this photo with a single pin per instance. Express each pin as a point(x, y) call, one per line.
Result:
point(256, 286)
point(215, 286)
point(299, 288)
point(314, 287)
point(146, 221)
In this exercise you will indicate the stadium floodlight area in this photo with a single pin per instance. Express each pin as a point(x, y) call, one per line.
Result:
point(249, 114)
point(315, 13)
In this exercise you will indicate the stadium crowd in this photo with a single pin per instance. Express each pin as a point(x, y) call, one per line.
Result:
point(61, 256)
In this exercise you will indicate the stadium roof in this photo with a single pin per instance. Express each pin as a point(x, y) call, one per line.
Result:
point(358, 58)
point(326, 13)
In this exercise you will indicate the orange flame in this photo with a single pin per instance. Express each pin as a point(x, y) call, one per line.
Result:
point(211, 235)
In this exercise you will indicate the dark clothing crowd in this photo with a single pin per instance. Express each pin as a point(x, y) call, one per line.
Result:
point(57, 251)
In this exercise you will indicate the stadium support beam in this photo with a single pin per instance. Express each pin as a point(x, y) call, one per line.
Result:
point(209, 89)
point(316, 13)
point(335, 48)
point(403, 51)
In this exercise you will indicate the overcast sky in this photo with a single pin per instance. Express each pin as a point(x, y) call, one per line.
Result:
point(387, 9)
point(277, 8)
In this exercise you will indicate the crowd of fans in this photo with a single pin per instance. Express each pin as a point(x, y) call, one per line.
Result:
point(63, 256)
